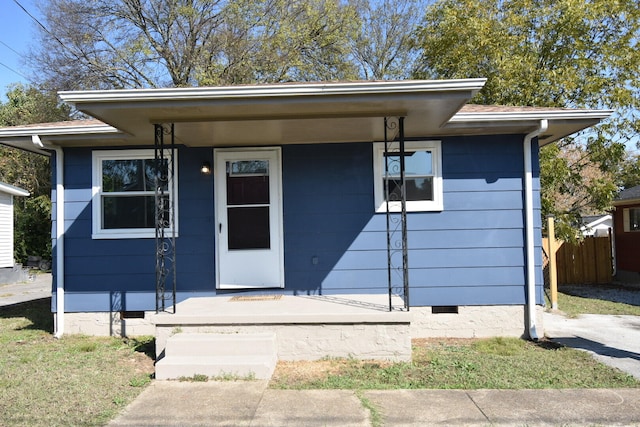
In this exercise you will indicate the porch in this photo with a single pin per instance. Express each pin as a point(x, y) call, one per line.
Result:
point(242, 334)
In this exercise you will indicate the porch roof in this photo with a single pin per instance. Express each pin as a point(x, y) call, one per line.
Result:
point(293, 113)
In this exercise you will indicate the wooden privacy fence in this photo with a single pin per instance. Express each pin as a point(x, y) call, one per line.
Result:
point(587, 262)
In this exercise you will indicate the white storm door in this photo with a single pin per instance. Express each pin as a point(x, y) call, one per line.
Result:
point(249, 219)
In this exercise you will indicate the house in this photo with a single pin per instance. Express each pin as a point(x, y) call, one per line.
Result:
point(360, 191)
point(596, 225)
point(8, 270)
point(626, 225)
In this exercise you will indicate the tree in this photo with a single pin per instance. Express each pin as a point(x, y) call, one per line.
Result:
point(266, 41)
point(26, 105)
point(554, 53)
point(382, 48)
point(161, 43)
point(630, 173)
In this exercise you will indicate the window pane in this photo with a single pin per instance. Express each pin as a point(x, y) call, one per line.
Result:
point(249, 184)
point(130, 175)
point(415, 163)
point(248, 228)
point(128, 212)
point(417, 189)
point(260, 167)
point(634, 219)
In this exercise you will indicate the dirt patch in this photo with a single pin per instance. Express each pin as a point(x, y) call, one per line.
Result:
point(306, 371)
point(431, 342)
point(141, 363)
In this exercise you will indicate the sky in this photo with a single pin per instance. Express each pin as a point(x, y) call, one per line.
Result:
point(16, 32)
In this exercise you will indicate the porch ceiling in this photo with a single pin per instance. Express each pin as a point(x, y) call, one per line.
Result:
point(278, 114)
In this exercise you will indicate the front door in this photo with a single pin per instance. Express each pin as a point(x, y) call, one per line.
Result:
point(249, 219)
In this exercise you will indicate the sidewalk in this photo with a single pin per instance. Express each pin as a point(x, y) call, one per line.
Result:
point(16, 293)
point(251, 403)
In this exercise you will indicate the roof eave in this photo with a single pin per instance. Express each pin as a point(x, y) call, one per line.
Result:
point(13, 190)
point(562, 123)
point(270, 91)
point(634, 201)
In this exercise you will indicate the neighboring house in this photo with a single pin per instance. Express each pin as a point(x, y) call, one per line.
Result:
point(10, 272)
point(626, 225)
point(596, 225)
point(6, 222)
point(280, 189)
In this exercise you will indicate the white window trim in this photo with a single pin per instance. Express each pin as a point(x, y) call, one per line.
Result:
point(413, 205)
point(96, 206)
point(626, 220)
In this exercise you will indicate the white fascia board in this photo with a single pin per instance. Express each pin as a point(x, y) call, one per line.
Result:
point(626, 202)
point(531, 116)
point(10, 189)
point(275, 90)
point(18, 132)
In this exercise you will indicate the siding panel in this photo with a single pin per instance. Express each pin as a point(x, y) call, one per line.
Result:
point(6, 230)
point(334, 243)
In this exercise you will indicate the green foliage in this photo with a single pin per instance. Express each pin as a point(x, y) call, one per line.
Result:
point(198, 378)
point(32, 227)
point(28, 104)
point(630, 173)
point(32, 224)
point(549, 53)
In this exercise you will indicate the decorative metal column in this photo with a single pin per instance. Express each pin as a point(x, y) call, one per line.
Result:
point(164, 155)
point(394, 193)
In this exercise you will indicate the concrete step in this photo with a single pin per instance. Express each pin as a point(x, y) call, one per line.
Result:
point(258, 367)
point(203, 344)
point(216, 355)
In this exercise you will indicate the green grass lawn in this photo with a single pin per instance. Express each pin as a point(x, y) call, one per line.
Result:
point(74, 381)
point(495, 363)
point(592, 299)
point(80, 380)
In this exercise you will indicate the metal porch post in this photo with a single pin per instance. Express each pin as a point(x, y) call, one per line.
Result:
point(165, 219)
point(393, 222)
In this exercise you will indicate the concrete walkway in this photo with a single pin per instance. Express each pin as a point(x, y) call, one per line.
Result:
point(612, 340)
point(251, 403)
point(16, 293)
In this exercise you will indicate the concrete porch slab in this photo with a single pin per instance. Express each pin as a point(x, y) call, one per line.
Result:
point(361, 308)
point(306, 327)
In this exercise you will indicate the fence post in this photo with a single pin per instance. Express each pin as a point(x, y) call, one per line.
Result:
point(553, 274)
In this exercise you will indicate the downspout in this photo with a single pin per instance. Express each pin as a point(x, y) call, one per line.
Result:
point(529, 240)
point(59, 234)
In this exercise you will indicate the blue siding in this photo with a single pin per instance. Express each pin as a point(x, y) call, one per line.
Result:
point(473, 247)
point(471, 253)
point(95, 270)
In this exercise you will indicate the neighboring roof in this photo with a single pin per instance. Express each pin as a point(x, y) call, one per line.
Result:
point(591, 221)
point(630, 195)
point(14, 191)
point(277, 114)
point(22, 136)
point(562, 121)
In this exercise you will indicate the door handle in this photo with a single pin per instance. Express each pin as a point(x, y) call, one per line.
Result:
point(220, 228)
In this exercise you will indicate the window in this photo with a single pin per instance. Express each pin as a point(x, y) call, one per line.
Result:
point(123, 194)
point(423, 176)
point(631, 219)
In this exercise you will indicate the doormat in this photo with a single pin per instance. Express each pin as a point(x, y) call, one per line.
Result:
point(256, 298)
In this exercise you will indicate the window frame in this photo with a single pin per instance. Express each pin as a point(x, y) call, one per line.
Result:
point(435, 205)
point(98, 156)
point(626, 219)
